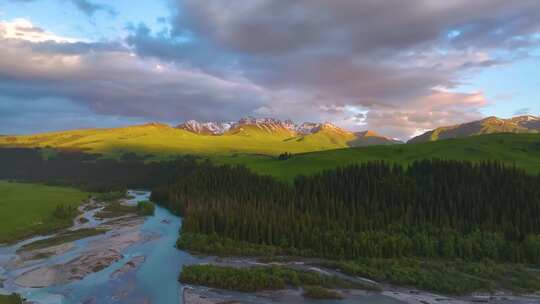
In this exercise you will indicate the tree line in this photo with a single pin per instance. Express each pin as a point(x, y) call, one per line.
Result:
point(252, 279)
point(90, 172)
point(431, 208)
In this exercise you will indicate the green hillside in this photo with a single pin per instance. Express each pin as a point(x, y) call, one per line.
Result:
point(522, 150)
point(257, 148)
point(10, 299)
point(27, 209)
point(489, 125)
point(165, 140)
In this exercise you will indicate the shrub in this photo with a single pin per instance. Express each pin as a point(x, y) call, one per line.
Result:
point(145, 208)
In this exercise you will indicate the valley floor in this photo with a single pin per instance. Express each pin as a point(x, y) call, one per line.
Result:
point(388, 294)
point(126, 257)
point(28, 209)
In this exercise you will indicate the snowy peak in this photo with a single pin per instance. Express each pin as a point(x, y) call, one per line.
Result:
point(489, 125)
point(270, 125)
point(333, 128)
point(307, 128)
point(250, 126)
point(524, 119)
point(286, 129)
point(206, 128)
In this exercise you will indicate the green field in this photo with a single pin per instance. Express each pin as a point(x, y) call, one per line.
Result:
point(27, 209)
point(11, 299)
point(521, 150)
point(163, 140)
point(258, 149)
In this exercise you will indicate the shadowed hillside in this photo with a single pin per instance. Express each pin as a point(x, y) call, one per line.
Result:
point(490, 125)
point(521, 150)
point(267, 137)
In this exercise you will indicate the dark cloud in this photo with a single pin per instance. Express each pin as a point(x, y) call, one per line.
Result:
point(384, 56)
point(112, 81)
point(388, 65)
point(523, 111)
point(77, 48)
point(27, 116)
point(90, 8)
point(367, 27)
point(86, 6)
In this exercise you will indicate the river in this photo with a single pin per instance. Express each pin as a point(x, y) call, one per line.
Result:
point(145, 270)
point(154, 281)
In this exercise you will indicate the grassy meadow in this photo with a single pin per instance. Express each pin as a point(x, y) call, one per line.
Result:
point(258, 149)
point(521, 150)
point(27, 209)
point(10, 299)
point(163, 141)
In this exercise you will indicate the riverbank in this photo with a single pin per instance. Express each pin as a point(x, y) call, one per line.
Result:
point(387, 293)
point(29, 209)
point(38, 267)
point(10, 299)
point(135, 261)
point(98, 255)
point(451, 277)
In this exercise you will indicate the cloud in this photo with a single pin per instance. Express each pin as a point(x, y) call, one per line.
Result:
point(439, 108)
point(391, 65)
point(367, 27)
point(112, 81)
point(408, 57)
point(22, 29)
point(523, 111)
point(26, 116)
point(90, 8)
point(86, 6)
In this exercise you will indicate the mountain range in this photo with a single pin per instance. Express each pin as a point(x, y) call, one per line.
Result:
point(248, 135)
point(262, 136)
point(285, 128)
point(489, 125)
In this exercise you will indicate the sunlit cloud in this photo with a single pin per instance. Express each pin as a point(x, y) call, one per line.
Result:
point(359, 64)
point(23, 29)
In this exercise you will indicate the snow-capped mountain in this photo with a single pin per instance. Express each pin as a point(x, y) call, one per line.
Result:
point(307, 128)
point(206, 128)
point(286, 129)
point(265, 124)
point(519, 124)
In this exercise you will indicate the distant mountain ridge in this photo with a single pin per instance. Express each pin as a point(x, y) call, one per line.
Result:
point(261, 136)
point(371, 138)
point(285, 128)
point(205, 128)
point(266, 124)
point(489, 125)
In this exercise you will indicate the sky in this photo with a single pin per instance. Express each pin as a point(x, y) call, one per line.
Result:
point(396, 67)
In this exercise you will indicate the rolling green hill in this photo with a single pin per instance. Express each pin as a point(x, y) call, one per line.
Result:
point(27, 209)
point(521, 150)
point(370, 138)
point(489, 125)
point(258, 147)
point(161, 139)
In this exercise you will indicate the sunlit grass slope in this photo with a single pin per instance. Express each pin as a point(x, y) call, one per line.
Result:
point(26, 209)
point(10, 299)
point(258, 148)
point(165, 140)
point(521, 150)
